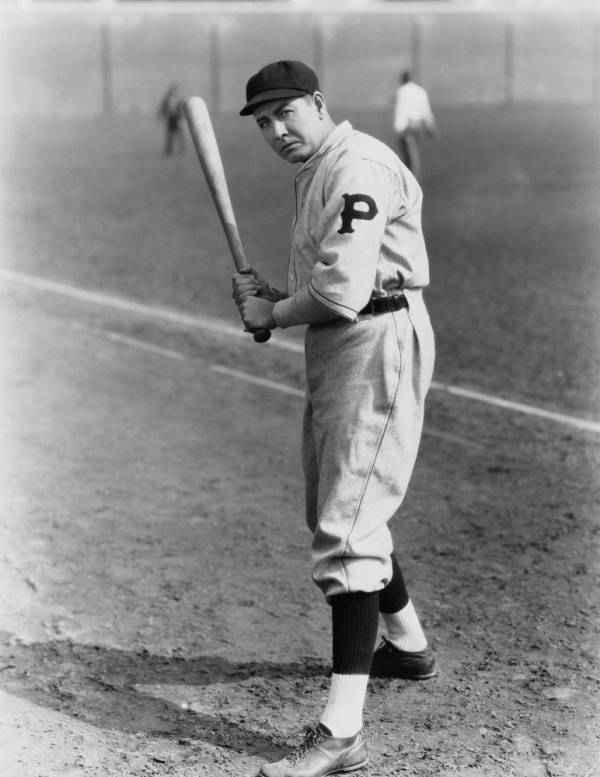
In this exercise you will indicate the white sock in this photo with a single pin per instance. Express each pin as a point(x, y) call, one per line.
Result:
point(404, 629)
point(343, 713)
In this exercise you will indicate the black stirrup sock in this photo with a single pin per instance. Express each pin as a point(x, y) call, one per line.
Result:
point(394, 597)
point(355, 619)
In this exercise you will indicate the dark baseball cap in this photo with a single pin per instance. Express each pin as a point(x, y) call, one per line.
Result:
point(286, 78)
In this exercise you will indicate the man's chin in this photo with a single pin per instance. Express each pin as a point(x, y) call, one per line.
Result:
point(293, 154)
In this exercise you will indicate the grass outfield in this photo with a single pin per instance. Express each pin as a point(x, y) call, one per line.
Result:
point(511, 216)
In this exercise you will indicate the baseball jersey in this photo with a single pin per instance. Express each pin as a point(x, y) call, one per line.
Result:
point(357, 229)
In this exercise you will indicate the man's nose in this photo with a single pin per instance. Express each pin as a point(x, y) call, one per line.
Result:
point(279, 129)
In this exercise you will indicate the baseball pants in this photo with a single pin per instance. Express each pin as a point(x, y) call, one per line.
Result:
point(366, 388)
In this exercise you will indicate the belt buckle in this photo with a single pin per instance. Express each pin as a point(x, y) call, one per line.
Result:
point(398, 301)
point(369, 309)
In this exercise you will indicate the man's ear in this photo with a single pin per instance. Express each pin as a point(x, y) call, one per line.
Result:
point(319, 101)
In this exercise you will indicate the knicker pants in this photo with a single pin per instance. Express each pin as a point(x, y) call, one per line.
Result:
point(366, 387)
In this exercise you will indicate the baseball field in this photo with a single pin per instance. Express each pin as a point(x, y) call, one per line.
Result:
point(156, 611)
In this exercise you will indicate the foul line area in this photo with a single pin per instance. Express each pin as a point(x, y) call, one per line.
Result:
point(221, 327)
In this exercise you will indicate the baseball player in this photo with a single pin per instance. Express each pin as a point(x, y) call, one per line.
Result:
point(170, 112)
point(357, 268)
point(413, 119)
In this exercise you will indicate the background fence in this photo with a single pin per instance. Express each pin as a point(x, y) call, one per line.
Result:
point(73, 59)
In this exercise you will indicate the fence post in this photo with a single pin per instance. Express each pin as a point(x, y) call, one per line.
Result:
point(214, 65)
point(596, 63)
point(416, 49)
point(509, 61)
point(106, 72)
point(318, 48)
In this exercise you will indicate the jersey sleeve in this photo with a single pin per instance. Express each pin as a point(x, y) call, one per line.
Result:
point(358, 198)
point(301, 308)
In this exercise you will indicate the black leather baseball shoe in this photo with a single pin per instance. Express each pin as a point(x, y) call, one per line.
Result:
point(390, 661)
point(319, 755)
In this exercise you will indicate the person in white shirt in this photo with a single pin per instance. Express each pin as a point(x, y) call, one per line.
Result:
point(170, 111)
point(356, 273)
point(413, 119)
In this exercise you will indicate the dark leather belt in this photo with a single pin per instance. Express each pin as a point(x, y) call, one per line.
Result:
point(380, 305)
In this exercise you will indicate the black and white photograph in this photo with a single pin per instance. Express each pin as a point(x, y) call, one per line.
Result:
point(300, 388)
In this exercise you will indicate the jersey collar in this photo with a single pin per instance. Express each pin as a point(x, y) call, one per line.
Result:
point(339, 134)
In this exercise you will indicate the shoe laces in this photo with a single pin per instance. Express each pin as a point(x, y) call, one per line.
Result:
point(386, 646)
point(312, 738)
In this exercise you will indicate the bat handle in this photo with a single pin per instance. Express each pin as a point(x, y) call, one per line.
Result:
point(260, 335)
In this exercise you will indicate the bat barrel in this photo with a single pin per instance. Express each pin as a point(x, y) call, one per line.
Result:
point(207, 150)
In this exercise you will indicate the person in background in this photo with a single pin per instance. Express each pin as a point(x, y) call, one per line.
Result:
point(170, 111)
point(413, 119)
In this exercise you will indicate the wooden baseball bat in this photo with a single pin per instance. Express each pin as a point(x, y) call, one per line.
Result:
point(205, 142)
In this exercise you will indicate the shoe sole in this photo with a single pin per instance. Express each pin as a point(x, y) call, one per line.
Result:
point(392, 676)
point(345, 770)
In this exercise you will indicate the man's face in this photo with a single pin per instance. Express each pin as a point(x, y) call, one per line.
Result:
point(292, 127)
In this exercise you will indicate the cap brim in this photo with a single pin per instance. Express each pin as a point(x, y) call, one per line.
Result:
point(265, 97)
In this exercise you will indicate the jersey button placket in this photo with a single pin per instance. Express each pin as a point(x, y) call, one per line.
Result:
point(292, 273)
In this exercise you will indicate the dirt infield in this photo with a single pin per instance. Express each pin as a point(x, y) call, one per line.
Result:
point(156, 611)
